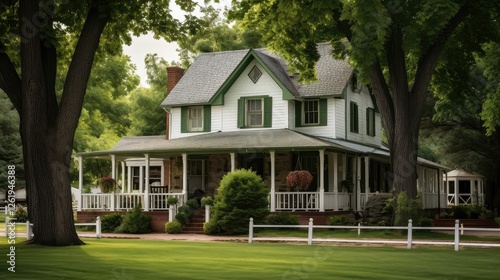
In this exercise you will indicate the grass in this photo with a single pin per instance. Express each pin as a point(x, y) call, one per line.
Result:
point(151, 259)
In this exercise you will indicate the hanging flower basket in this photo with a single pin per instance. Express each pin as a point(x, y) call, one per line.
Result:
point(299, 179)
point(107, 184)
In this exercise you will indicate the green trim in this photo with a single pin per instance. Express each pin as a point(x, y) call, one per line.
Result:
point(323, 112)
point(184, 119)
point(218, 98)
point(207, 118)
point(241, 113)
point(268, 111)
point(370, 111)
point(298, 113)
point(353, 120)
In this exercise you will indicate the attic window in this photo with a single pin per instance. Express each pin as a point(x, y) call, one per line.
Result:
point(255, 74)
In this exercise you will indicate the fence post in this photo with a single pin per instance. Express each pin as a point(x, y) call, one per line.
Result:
point(250, 230)
point(28, 230)
point(207, 213)
point(98, 227)
point(410, 233)
point(462, 229)
point(457, 236)
point(359, 229)
point(310, 232)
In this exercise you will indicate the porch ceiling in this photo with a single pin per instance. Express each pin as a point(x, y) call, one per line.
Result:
point(245, 141)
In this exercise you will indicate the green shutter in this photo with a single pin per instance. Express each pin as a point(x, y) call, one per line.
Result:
point(353, 117)
point(184, 119)
point(207, 118)
point(356, 119)
point(298, 114)
point(241, 113)
point(268, 111)
point(323, 112)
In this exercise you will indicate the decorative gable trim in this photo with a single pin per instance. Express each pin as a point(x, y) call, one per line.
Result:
point(218, 98)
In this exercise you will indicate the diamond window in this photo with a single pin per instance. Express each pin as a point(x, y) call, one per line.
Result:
point(255, 74)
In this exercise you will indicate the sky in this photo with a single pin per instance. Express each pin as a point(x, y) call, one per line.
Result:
point(147, 44)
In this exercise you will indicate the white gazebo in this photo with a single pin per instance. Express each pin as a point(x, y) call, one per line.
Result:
point(465, 188)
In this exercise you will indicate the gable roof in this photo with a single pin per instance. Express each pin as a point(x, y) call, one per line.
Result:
point(211, 75)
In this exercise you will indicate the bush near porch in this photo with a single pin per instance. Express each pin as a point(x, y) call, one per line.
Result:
point(242, 195)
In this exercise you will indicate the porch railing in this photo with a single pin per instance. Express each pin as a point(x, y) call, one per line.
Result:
point(297, 201)
point(126, 201)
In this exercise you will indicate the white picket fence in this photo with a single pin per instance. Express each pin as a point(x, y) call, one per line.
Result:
point(409, 242)
point(29, 227)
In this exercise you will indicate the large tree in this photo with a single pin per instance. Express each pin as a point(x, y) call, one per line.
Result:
point(30, 33)
point(395, 45)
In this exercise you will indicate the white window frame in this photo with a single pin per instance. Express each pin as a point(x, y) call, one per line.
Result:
point(195, 114)
point(249, 112)
point(305, 112)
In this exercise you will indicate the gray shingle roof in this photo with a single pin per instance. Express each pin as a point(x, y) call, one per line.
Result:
point(210, 70)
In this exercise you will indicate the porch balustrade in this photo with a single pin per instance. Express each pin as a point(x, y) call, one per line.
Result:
point(127, 201)
point(297, 201)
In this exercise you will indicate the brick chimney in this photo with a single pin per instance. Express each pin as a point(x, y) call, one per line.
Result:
point(174, 74)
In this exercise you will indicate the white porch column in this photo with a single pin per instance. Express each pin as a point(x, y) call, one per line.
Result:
point(335, 182)
point(233, 161)
point(358, 183)
point(273, 181)
point(184, 176)
point(129, 179)
point(367, 178)
point(322, 180)
point(141, 179)
point(146, 187)
point(113, 175)
point(123, 176)
point(80, 181)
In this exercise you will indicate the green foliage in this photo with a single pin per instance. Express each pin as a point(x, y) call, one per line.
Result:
point(173, 227)
point(242, 195)
point(182, 218)
point(497, 220)
point(425, 222)
point(187, 210)
point(172, 200)
point(406, 209)
point(207, 200)
point(211, 228)
point(282, 218)
point(110, 222)
point(460, 212)
point(21, 214)
point(135, 222)
point(193, 203)
point(339, 220)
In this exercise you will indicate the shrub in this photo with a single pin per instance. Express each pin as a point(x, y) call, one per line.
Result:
point(186, 210)
point(460, 212)
point(242, 195)
point(282, 218)
point(182, 218)
point(172, 200)
point(21, 214)
point(110, 222)
point(497, 219)
point(135, 222)
point(425, 222)
point(211, 228)
point(406, 209)
point(207, 200)
point(173, 227)
point(340, 220)
point(193, 203)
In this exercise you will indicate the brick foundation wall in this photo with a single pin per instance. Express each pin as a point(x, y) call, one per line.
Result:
point(158, 218)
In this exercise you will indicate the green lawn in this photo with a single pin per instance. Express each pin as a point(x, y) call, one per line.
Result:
point(148, 259)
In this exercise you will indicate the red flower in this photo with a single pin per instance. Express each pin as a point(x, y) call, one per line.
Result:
point(299, 179)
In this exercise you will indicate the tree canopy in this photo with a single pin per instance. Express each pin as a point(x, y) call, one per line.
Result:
point(397, 47)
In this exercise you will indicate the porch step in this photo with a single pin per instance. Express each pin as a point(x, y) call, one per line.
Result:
point(196, 224)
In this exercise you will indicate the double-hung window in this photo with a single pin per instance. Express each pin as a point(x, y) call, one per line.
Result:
point(255, 112)
point(195, 118)
point(311, 112)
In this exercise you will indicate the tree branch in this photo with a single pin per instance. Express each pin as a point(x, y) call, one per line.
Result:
point(383, 99)
point(428, 61)
point(79, 72)
point(10, 82)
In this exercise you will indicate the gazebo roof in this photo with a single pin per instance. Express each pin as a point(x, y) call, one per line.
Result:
point(463, 173)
